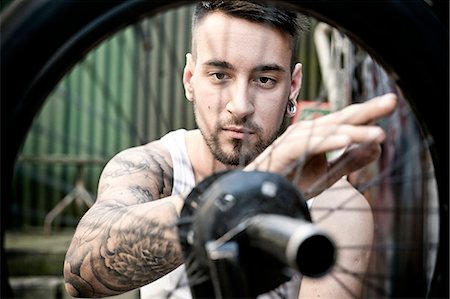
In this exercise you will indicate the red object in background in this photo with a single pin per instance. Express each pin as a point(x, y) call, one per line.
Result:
point(310, 110)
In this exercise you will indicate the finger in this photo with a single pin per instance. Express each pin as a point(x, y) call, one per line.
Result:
point(359, 114)
point(357, 134)
point(299, 149)
point(354, 158)
point(323, 144)
point(319, 138)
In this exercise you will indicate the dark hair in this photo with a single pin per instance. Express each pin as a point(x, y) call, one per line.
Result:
point(260, 12)
point(271, 14)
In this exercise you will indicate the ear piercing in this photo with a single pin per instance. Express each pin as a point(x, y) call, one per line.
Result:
point(292, 107)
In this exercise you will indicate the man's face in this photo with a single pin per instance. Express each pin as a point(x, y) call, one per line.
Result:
point(239, 81)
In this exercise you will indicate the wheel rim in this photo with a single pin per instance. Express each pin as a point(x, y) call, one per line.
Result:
point(414, 92)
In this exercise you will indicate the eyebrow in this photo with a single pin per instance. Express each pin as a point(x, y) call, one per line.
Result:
point(220, 63)
point(269, 67)
point(261, 68)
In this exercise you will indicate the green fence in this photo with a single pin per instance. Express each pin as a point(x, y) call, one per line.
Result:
point(125, 92)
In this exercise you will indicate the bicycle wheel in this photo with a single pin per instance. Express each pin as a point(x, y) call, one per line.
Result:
point(76, 27)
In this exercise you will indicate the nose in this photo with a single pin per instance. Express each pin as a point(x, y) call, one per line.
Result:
point(241, 102)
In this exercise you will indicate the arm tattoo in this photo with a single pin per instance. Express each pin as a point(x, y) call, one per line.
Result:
point(152, 166)
point(161, 171)
point(127, 167)
point(141, 194)
point(121, 250)
point(117, 249)
point(145, 253)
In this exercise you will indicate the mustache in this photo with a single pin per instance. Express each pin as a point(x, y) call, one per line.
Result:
point(235, 121)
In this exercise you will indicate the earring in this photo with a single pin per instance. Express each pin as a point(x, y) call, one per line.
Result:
point(292, 108)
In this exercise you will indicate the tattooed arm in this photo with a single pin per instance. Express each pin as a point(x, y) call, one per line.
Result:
point(128, 237)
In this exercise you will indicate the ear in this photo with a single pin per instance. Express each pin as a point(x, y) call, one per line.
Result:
point(296, 82)
point(188, 73)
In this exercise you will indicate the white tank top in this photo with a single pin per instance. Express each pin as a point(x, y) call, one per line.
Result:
point(183, 174)
point(174, 284)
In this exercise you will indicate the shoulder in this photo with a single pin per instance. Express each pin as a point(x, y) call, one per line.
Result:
point(141, 156)
point(155, 154)
point(146, 168)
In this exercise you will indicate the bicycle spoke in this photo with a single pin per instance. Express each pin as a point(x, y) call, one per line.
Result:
point(375, 286)
point(400, 188)
point(390, 247)
point(343, 285)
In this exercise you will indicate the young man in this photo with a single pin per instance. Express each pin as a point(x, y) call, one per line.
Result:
point(241, 82)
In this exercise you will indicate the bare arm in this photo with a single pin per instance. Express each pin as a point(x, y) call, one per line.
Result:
point(345, 215)
point(127, 238)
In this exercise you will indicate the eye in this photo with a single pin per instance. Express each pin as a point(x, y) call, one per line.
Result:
point(219, 76)
point(265, 81)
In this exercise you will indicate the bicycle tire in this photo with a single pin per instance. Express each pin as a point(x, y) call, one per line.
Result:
point(28, 79)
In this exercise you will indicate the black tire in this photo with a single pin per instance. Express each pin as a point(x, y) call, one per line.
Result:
point(407, 37)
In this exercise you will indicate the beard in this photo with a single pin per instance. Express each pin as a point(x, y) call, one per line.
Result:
point(242, 151)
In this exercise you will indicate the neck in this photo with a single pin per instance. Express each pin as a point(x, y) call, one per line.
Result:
point(203, 162)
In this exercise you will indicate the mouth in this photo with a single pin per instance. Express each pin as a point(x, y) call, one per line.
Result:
point(237, 132)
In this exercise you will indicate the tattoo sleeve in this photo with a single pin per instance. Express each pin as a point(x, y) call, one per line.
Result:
point(128, 238)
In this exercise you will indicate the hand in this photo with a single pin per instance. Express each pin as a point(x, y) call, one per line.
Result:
point(299, 153)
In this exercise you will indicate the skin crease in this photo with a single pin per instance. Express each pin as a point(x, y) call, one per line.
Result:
point(128, 238)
